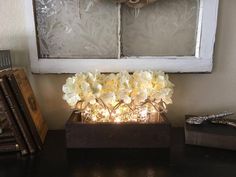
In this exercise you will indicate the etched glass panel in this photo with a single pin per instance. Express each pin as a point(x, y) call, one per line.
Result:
point(165, 28)
point(77, 28)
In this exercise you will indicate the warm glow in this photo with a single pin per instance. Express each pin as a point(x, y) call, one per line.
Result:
point(120, 97)
point(122, 112)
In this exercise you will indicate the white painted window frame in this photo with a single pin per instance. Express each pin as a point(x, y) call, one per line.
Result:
point(201, 62)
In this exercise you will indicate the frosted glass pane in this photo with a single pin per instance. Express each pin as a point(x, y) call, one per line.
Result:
point(77, 29)
point(167, 27)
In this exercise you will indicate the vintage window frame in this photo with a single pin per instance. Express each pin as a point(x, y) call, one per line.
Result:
point(201, 62)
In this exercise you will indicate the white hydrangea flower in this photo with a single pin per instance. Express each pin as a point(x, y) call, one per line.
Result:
point(90, 98)
point(113, 88)
point(110, 83)
point(92, 77)
point(143, 76)
point(123, 95)
point(80, 77)
point(85, 87)
point(96, 87)
point(124, 80)
point(141, 96)
point(127, 99)
point(166, 95)
point(69, 90)
point(72, 99)
point(109, 98)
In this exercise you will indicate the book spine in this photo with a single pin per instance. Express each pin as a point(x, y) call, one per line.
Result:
point(6, 134)
point(17, 114)
point(7, 140)
point(12, 122)
point(4, 124)
point(9, 148)
point(31, 102)
point(27, 116)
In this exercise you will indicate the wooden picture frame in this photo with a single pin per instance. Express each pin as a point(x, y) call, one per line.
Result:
point(201, 62)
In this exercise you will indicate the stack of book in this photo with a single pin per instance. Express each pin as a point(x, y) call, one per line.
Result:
point(22, 128)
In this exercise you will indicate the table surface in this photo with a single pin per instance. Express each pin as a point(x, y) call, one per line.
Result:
point(180, 161)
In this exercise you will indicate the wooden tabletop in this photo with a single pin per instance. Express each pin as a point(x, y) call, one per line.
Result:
point(179, 161)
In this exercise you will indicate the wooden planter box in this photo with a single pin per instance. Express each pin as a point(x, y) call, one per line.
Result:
point(112, 135)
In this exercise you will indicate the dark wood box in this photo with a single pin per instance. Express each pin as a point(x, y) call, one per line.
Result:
point(211, 135)
point(112, 135)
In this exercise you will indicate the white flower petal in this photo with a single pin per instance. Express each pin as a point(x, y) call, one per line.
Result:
point(85, 87)
point(127, 99)
point(73, 100)
point(109, 98)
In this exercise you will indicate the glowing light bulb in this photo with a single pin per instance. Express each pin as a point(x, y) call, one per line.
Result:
point(143, 113)
point(94, 118)
point(105, 113)
point(118, 111)
point(122, 113)
point(117, 120)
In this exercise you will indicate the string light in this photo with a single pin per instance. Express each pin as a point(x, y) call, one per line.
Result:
point(121, 97)
point(123, 113)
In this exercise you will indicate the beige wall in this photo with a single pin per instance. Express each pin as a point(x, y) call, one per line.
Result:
point(194, 93)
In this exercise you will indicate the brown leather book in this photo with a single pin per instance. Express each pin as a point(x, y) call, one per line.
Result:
point(8, 93)
point(4, 123)
point(30, 102)
point(7, 140)
point(5, 127)
point(9, 116)
point(25, 111)
point(7, 133)
point(9, 147)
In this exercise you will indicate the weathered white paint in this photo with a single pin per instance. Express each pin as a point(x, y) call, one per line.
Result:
point(119, 31)
point(201, 62)
point(198, 39)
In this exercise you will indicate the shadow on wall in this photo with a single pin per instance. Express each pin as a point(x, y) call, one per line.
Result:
point(20, 59)
point(48, 90)
point(18, 47)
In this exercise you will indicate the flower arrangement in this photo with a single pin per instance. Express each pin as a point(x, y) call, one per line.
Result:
point(120, 97)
